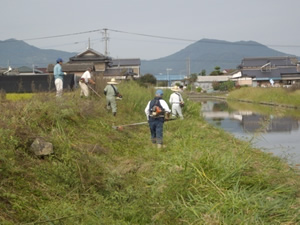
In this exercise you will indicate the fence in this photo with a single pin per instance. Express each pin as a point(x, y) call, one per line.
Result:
point(33, 83)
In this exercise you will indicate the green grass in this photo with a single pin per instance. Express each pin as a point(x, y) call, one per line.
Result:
point(16, 97)
point(270, 95)
point(99, 175)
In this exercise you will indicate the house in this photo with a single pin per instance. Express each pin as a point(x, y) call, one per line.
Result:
point(206, 82)
point(103, 66)
point(24, 70)
point(268, 71)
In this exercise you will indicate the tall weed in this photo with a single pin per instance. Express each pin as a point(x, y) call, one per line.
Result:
point(100, 175)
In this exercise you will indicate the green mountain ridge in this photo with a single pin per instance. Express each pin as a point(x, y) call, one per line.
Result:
point(18, 53)
point(206, 54)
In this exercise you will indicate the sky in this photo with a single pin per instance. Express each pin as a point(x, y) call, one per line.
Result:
point(149, 29)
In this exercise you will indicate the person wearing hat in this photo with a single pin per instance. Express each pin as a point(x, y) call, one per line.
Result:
point(86, 79)
point(155, 112)
point(59, 77)
point(176, 101)
point(111, 92)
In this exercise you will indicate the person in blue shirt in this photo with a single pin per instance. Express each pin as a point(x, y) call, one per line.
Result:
point(59, 77)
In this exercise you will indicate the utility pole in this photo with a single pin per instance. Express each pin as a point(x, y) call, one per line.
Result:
point(89, 44)
point(188, 69)
point(168, 69)
point(105, 39)
point(188, 66)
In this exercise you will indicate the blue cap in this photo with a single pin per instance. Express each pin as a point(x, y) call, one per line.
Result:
point(59, 60)
point(159, 92)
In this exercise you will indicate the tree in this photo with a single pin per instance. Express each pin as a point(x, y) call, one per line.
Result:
point(216, 71)
point(148, 78)
point(203, 73)
point(217, 68)
point(193, 78)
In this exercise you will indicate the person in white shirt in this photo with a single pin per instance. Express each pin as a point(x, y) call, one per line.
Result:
point(177, 102)
point(155, 112)
point(86, 79)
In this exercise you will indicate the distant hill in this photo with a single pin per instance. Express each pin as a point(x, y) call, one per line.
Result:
point(19, 53)
point(204, 54)
point(207, 54)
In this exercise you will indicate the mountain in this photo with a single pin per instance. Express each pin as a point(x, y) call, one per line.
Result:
point(207, 54)
point(204, 54)
point(18, 53)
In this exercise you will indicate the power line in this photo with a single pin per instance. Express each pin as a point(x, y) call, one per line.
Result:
point(62, 35)
point(153, 36)
point(159, 37)
point(207, 41)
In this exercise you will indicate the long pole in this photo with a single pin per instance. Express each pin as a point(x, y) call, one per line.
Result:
point(119, 127)
point(105, 40)
point(94, 91)
point(168, 69)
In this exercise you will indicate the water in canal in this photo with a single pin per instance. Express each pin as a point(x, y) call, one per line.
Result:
point(272, 129)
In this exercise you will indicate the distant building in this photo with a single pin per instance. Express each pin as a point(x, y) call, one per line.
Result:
point(103, 66)
point(263, 71)
point(206, 82)
point(24, 70)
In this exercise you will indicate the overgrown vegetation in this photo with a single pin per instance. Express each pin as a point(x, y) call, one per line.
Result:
point(223, 86)
point(99, 175)
point(147, 79)
point(268, 95)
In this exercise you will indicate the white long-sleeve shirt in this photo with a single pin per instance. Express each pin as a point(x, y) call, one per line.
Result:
point(175, 98)
point(86, 76)
point(163, 104)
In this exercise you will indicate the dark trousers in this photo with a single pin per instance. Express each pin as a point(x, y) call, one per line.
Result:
point(156, 129)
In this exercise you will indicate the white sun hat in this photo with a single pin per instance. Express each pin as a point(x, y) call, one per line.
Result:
point(175, 88)
point(112, 81)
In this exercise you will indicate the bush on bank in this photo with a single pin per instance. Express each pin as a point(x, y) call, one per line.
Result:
point(99, 175)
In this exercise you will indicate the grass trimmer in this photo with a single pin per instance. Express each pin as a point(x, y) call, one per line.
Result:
point(94, 91)
point(120, 127)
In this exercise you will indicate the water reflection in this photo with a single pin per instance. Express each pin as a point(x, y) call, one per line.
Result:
point(271, 129)
point(259, 123)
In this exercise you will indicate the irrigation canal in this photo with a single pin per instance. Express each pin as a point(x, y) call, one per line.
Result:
point(273, 129)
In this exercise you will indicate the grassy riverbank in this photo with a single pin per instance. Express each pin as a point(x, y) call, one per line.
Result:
point(99, 175)
point(267, 95)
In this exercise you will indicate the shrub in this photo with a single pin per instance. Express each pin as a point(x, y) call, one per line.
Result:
point(198, 89)
point(294, 87)
point(216, 85)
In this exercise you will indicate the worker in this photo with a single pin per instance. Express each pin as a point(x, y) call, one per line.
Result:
point(111, 92)
point(176, 102)
point(86, 79)
point(156, 111)
point(59, 77)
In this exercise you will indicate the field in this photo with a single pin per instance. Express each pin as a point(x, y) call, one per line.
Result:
point(100, 175)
